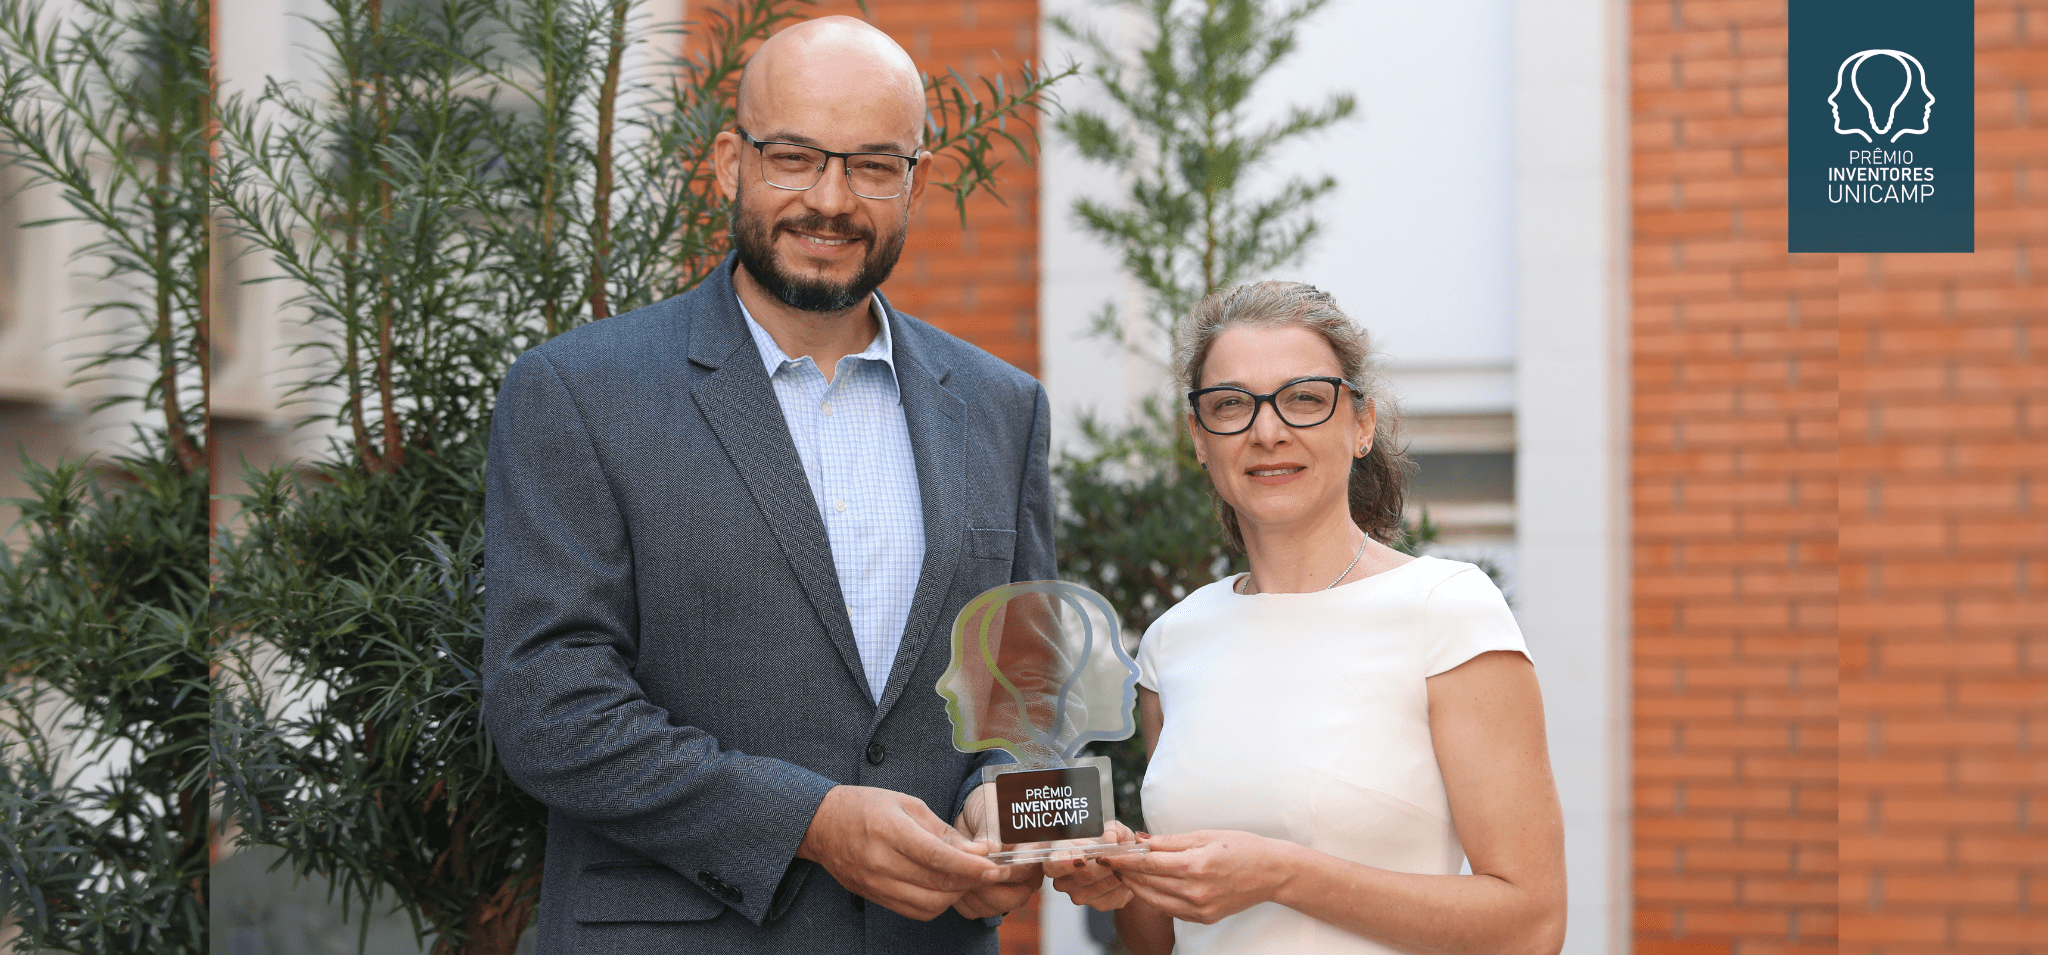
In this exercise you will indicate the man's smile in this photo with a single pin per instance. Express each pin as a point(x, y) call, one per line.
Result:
point(824, 244)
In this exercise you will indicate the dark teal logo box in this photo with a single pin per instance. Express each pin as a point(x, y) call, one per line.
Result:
point(1881, 122)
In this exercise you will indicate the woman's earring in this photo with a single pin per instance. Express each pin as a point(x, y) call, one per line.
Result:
point(1204, 464)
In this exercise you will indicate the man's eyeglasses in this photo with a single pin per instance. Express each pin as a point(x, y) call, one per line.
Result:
point(797, 167)
point(1301, 403)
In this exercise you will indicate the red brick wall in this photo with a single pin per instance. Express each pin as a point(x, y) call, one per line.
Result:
point(1734, 512)
point(1944, 575)
point(979, 282)
point(1750, 365)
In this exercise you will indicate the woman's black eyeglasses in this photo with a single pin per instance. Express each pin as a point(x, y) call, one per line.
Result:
point(1301, 403)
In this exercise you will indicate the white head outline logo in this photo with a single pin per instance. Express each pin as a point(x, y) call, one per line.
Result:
point(1916, 77)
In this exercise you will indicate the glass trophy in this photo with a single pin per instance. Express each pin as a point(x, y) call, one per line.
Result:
point(1039, 671)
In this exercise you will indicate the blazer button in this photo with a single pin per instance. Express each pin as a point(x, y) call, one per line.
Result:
point(876, 754)
point(724, 893)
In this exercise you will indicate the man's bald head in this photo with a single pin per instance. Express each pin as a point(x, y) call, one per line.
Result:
point(815, 69)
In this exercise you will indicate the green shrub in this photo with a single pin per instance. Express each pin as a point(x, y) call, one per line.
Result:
point(104, 624)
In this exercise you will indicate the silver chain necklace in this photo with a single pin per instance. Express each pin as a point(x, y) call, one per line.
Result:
point(1362, 538)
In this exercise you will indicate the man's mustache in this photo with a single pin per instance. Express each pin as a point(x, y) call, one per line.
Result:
point(830, 228)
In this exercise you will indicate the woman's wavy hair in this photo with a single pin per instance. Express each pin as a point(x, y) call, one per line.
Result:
point(1379, 479)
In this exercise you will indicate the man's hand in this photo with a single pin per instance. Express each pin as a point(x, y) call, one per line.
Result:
point(888, 848)
point(1014, 883)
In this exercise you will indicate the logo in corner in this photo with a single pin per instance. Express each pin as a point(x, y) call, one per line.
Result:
point(1852, 75)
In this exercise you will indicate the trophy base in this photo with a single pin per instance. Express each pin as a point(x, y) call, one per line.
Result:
point(1066, 853)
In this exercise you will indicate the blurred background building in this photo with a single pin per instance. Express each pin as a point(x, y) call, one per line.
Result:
point(1774, 524)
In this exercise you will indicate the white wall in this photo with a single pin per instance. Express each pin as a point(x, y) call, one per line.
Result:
point(1419, 241)
point(1571, 417)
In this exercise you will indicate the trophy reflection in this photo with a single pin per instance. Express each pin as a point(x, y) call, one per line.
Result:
point(1039, 671)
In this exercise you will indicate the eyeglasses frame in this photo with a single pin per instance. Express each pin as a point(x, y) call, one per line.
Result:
point(758, 144)
point(1195, 403)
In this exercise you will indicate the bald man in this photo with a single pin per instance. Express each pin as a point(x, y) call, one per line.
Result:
point(727, 537)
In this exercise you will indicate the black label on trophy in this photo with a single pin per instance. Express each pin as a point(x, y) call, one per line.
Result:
point(1049, 805)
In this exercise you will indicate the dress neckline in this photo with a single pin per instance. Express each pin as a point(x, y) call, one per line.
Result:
point(1230, 583)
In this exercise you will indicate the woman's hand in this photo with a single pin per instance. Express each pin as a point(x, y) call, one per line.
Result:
point(1208, 875)
point(1088, 881)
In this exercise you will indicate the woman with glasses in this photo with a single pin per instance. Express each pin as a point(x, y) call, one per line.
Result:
point(1335, 731)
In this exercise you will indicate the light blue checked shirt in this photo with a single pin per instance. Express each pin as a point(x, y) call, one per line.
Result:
point(855, 447)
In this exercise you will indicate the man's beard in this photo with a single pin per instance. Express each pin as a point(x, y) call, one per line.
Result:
point(754, 239)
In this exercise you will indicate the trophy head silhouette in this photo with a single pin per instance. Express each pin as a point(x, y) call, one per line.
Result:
point(1038, 671)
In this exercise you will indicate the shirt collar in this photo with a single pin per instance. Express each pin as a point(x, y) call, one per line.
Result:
point(882, 349)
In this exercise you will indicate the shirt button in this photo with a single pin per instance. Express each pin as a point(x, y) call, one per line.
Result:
point(839, 506)
point(826, 408)
point(876, 754)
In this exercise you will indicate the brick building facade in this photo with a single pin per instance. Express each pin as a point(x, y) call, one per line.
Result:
point(1734, 376)
point(1834, 464)
point(1944, 550)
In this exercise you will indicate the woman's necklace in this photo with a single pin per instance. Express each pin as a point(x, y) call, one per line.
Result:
point(1362, 538)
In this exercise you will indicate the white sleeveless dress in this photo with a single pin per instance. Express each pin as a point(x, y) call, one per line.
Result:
point(1305, 717)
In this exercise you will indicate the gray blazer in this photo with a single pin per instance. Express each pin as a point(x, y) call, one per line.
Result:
point(668, 663)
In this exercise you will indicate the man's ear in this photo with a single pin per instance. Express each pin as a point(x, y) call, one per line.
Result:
point(920, 177)
point(725, 162)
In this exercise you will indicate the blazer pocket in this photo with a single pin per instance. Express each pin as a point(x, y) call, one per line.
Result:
point(641, 893)
point(991, 543)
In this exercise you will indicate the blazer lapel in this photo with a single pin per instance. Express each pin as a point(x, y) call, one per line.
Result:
point(739, 403)
point(934, 416)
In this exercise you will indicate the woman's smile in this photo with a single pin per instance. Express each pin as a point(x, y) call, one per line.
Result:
point(1275, 475)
